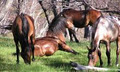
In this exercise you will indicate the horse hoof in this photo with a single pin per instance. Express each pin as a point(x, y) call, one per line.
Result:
point(109, 64)
point(17, 61)
point(71, 41)
point(76, 53)
point(33, 59)
point(100, 66)
point(27, 63)
point(77, 41)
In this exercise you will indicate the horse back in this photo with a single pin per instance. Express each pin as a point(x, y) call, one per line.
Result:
point(74, 14)
point(31, 25)
point(45, 42)
point(45, 46)
point(17, 26)
point(31, 33)
point(106, 30)
point(24, 26)
point(76, 17)
point(83, 17)
point(93, 15)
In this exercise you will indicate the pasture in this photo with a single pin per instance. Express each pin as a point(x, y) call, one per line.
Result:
point(59, 62)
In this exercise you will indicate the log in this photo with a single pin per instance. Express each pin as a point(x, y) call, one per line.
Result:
point(77, 66)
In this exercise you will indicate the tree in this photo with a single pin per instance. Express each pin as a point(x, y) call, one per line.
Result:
point(10, 8)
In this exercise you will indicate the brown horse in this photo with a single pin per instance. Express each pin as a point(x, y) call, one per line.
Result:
point(49, 45)
point(74, 18)
point(24, 33)
point(106, 30)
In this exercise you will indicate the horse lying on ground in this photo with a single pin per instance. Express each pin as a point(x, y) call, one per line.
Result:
point(24, 33)
point(70, 18)
point(47, 46)
point(106, 30)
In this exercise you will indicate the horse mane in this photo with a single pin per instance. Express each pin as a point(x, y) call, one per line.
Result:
point(25, 30)
point(96, 24)
point(25, 25)
point(58, 24)
point(94, 29)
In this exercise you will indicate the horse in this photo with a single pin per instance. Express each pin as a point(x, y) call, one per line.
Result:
point(106, 30)
point(57, 28)
point(47, 46)
point(75, 18)
point(23, 31)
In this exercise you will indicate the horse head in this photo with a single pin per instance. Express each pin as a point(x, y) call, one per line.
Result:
point(26, 52)
point(92, 56)
point(26, 55)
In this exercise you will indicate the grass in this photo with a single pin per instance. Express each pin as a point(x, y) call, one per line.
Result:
point(59, 62)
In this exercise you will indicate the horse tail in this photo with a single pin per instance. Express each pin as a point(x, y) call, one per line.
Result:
point(25, 25)
point(7, 27)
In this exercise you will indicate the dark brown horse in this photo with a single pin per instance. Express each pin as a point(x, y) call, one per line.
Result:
point(106, 30)
point(57, 28)
point(74, 18)
point(24, 33)
point(49, 45)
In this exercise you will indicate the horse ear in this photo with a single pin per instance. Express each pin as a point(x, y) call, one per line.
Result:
point(88, 48)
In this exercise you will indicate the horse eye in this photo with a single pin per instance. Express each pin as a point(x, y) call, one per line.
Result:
point(92, 57)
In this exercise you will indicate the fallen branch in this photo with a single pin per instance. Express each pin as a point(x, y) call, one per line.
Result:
point(77, 66)
point(7, 27)
point(101, 9)
point(114, 12)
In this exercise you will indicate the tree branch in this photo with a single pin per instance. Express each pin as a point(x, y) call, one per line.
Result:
point(40, 2)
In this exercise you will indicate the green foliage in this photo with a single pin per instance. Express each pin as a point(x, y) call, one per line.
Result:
point(59, 62)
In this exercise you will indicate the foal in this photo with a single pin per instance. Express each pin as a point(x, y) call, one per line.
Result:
point(49, 45)
point(106, 30)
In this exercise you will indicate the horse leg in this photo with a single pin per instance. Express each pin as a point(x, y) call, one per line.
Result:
point(76, 40)
point(96, 45)
point(71, 29)
point(32, 47)
point(70, 34)
point(86, 32)
point(61, 37)
point(65, 47)
point(99, 54)
point(117, 51)
point(65, 34)
point(17, 49)
point(108, 52)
